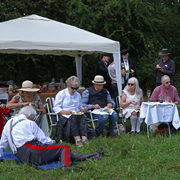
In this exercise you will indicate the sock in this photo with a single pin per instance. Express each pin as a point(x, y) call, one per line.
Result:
point(138, 125)
point(133, 122)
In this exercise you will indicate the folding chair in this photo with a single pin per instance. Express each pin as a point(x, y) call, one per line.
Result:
point(50, 112)
point(119, 109)
point(89, 118)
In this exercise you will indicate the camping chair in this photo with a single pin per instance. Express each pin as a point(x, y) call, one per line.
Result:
point(4, 117)
point(119, 109)
point(50, 112)
point(89, 118)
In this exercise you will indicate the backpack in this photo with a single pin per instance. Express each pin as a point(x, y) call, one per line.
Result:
point(92, 133)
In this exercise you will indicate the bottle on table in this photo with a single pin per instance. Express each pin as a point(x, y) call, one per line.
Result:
point(10, 89)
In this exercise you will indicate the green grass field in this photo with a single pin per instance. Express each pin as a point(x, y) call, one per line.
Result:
point(126, 157)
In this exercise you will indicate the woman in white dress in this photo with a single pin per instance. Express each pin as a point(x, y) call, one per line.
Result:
point(131, 101)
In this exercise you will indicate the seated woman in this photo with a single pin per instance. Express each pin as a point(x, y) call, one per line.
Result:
point(66, 102)
point(131, 101)
point(28, 96)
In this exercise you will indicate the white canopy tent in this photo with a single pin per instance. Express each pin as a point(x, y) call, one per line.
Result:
point(38, 35)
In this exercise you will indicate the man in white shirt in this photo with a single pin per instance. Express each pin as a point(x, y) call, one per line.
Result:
point(29, 143)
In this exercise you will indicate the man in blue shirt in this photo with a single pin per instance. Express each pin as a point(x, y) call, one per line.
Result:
point(165, 66)
point(97, 97)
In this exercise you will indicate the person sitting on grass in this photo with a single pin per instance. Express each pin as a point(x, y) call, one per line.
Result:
point(131, 101)
point(29, 143)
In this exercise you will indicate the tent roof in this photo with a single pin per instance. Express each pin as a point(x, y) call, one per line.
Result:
point(38, 35)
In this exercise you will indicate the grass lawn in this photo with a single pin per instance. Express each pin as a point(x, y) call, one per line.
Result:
point(126, 157)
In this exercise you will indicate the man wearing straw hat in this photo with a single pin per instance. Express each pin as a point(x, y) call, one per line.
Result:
point(165, 66)
point(99, 100)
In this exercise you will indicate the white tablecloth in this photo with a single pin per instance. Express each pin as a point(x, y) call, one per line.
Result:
point(4, 96)
point(154, 112)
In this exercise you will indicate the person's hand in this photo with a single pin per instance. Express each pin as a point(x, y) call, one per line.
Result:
point(54, 141)
point(122, 64)
point(96, 106)
point(27, 103)
point(68, 112)
point(157, 66)
point(132, 71)
point(84, 109)
point(110, 105)
point(134, 103)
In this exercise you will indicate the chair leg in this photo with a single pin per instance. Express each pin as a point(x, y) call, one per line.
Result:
point(117, 128)
point(169, 130)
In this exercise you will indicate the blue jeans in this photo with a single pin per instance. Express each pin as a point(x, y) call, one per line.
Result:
point(102, 121)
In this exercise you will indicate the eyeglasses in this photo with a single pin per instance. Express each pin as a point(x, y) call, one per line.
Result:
point(130, 84)
point(74, 88)
point(168, 82)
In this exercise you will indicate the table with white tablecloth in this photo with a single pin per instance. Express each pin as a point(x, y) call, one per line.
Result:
point(155, 112)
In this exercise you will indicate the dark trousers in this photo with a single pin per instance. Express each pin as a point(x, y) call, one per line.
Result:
point(35, 152)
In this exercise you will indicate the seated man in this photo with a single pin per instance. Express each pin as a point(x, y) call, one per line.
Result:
point(97, 97)
point(29, 143)
point(164, 90)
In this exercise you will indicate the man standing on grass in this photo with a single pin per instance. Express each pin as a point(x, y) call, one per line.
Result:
point(165, 66)
point(29, 143)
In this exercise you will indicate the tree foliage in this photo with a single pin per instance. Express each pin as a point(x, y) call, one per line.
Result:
point(143, 26)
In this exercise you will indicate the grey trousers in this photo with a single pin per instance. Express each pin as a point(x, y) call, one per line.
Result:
point(35, 152)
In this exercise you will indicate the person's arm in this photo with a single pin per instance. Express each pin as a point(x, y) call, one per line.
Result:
point(102, 67)
point(85, 99)
point(4, 141)
point(110, 102)
point(13, 104)
point(123, 103)
point(58, 103)
point(122, 69)
point(171, 70)
point(41, 108)
point(39, 134)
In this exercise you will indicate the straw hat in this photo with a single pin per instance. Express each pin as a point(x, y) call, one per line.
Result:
point(28, 86)
point(99, 80)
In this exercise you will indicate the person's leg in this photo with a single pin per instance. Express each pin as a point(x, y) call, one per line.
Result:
point(101, 122)
point(138, 125)
point(112, 122)
point(83, 157)
point(37, 153)
point(133, 120)
point(82, 125)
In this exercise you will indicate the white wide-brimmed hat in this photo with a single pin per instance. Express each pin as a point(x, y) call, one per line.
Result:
point(28, 86)
point(99, 80)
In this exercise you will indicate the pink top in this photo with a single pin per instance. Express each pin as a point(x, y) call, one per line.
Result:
point(159, 91)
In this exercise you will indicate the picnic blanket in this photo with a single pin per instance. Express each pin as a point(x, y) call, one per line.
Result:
point(8, 155)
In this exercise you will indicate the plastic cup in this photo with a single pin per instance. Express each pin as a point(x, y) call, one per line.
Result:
point(167, 99)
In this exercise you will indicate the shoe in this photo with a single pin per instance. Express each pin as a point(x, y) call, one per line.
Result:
point(86, 141)
point(138, 132)
point(70, 167)
point(111, 135)
point(132, 132)
point(100, 152)
point(79, 143)
point(101, 136)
